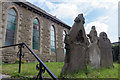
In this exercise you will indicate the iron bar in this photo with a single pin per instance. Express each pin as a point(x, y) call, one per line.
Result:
point(40, 71)
point(20, 55)
point(38, 59)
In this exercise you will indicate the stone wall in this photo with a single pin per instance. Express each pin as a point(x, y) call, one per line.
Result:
point(24, 33)
point(0, 37)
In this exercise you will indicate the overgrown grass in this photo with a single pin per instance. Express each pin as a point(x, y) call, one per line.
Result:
point(56, 67)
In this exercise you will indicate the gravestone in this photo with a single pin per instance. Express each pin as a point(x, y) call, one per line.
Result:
point(76, 45)
point(59, 54)
point(93, 49)
point(105, 50)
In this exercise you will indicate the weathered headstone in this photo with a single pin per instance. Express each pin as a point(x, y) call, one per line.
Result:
point(76, 44)
point(105, 50)
point(59, 54)
point(93, 49)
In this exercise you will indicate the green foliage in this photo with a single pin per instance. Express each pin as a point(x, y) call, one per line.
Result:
point(116, 50)
point(115, 45)
point(28, 70)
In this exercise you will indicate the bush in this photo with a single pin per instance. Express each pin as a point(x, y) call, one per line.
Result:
point(115, 48)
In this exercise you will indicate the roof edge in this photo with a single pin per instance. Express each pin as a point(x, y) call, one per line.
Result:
point(43, 13)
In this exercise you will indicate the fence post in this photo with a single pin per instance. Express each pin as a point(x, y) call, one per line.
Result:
point(20, 47)
point(40, 71)
point(39, 67)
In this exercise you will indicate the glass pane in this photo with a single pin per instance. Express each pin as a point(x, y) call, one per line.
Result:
point(35, 34)
point(9, 42)
point(64, 51)
point(35, 27)
point(9, 39)
point(63, 42)
point(10, 33)
point(36, 46)
point(35, 21)
point(63, 35)
point(52, 33)
point(52, 29)
point(52, 49)
point(11, 18)
point(52, 38)
point(36, 39)
point(52, 43)
point(12, 11)
point(11, 26)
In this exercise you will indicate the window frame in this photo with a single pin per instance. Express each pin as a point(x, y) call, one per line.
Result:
point(64, 33)
point(38, 25)
point(53, 40)
point(7, 29)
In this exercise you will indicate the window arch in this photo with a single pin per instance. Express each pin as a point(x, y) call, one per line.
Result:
point(11, 27)
point(52, 38)
point(35, 42)
point(64, 33)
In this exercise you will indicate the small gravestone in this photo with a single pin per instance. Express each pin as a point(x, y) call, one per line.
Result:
point(105, 50)
point(59, 54)
point(76, 46)
point(93, 49)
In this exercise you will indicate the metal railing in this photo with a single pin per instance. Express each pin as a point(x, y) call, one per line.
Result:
point(41, 66)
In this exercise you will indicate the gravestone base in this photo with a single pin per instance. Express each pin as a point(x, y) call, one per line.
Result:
point(94, 55)
point(77, 58)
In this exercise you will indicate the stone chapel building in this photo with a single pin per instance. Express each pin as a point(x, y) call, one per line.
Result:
point(42, 32)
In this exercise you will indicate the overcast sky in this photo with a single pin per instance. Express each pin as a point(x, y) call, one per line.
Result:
point(100, 13)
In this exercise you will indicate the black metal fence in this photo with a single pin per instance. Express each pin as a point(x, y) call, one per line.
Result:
point(41, 66)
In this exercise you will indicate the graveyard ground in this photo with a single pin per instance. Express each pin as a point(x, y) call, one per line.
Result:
point(29, 70)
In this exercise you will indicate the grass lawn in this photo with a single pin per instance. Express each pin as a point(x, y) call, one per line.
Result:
point(55, 67)
point(30, 69)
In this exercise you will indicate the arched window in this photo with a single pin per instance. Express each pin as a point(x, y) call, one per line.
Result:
point(35, 34)
point(11, 27)
point(64, 33)
point(52, 37)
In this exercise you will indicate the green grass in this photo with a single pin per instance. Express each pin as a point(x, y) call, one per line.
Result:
point(96, 73)
point(30, 69)
point(56, 67)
